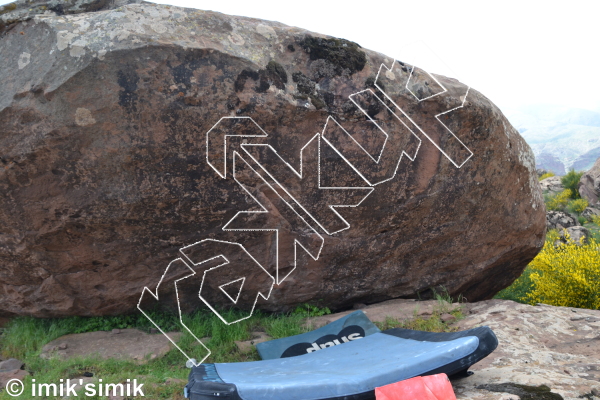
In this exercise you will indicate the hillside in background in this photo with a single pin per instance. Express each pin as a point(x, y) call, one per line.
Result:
point(560, 137)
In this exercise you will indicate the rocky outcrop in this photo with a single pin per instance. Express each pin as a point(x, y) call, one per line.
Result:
point(589, 185)
point(115, 156)
point(577, 234)
point(552, 184)
point(560, 220)
point(557, 347)
point(589, 212)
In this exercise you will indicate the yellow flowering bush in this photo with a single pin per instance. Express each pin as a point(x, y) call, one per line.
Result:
point(559, 201)
point(596, 219)
point(566, 274)
point(546, 175)
point(579, 205)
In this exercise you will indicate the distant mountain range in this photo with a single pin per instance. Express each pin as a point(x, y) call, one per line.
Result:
point(561, 137)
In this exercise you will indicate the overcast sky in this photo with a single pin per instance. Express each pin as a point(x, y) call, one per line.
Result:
point(514, 52)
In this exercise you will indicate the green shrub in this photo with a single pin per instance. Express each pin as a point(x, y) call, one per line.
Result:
point(559, 201)
point(547, 175)
point(571, 181)
point(596, 219)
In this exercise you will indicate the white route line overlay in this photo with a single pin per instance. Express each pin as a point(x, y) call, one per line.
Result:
point(224, 174)
point(319, 135)
point(351, 97)
point(330, 118)
point(239, 291)
point(300, 175)
point(464, 99)
point(432, 77)
point(296, 242)
point(220, 265)
point(192, 360)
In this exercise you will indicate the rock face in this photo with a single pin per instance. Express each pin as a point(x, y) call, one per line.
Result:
point(589, 185)
point(114, 155)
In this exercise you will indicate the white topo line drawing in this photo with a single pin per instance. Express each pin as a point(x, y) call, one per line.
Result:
point(259, 162)
point(462, 98)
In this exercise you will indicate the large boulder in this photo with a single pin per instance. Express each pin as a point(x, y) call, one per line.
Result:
point(589, 185)
point(115, 156)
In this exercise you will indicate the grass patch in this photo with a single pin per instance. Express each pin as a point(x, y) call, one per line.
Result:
point(24, 338)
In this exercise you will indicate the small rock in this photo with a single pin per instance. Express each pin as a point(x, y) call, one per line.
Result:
point(6, 376)
point(359, 306)
point(257, 337)
point(10, 365)
point(62, 346)
point(578, 234)
point(115, 331)
point(88, 374)
point(447, 317)
point(153, 331)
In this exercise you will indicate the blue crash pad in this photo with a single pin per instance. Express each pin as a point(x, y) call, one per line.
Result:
point(350, 371)
point(352, 327)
